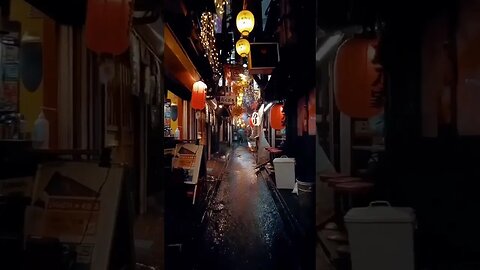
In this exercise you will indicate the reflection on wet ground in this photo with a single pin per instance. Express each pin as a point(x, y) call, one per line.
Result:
point(244, 229)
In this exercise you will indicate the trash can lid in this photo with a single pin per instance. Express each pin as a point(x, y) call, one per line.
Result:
point(380, 212)
point(284, 160)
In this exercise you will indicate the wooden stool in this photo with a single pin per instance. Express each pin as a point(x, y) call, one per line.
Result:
point(351, 189)
point(332, 182)
point(274, 153)
point(326, 176)
point(354, 187)
point(338, 202)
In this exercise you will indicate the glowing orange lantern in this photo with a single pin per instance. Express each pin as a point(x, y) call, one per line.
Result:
point(199, 95)
point(107, 26)
point(358, 79)
point(277, 117)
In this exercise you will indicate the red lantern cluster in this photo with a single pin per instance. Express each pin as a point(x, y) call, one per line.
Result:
point(277, 117)
point(108, 26)
point(199, 95)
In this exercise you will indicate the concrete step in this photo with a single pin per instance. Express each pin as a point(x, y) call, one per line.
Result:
point(337, 236)
point(329, 246)
point(343, 250)
point(332, 226)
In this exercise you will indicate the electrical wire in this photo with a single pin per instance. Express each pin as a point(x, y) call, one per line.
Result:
point(93, 205)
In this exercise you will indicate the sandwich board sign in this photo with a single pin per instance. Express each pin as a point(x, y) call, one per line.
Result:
point(77, 203)
point(189, 158)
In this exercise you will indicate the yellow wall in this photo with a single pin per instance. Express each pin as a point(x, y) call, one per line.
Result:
point(30, 103)
point(175, 100)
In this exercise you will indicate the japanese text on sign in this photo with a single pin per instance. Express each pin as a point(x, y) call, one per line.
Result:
point(227, 100)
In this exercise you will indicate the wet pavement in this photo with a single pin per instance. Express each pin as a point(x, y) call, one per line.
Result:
point(183, 220)
point(243, 228)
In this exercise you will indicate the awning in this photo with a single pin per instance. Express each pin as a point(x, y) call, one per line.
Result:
point(152, 34)
point(180, 72)
point(177, 64)
point(177, 88)
point(71, 12)
point(277, 85)
point(293, 77)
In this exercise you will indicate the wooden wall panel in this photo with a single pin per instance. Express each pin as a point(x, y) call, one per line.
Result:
point(50, 78)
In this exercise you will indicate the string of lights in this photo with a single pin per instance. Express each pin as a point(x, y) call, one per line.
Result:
point(207, 37)
point(220, 6)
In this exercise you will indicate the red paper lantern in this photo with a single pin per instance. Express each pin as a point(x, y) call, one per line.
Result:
point(250, 122)
point(358, 79)
point(277, 117)
point(107, 26)
point(199, 95)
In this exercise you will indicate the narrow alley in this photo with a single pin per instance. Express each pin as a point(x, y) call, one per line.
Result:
point(245, 229)
point(239, 134)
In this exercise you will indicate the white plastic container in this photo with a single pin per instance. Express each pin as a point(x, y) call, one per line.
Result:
point(381, 237)
point(41, 135)
point(284, 172)
point(177, 134)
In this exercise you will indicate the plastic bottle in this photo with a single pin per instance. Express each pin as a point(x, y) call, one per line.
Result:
point(41, 132)
point(177, 133)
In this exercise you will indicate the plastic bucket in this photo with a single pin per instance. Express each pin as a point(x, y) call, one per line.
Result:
point(306, 200)
point(305, 187)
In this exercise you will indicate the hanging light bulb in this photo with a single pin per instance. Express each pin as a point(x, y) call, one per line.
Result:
point(245, 22)
point(243, 47)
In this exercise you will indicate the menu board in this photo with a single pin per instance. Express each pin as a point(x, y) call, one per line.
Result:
point(168, 113)
point(188, 157)
point(77, 203)
point(9, 74)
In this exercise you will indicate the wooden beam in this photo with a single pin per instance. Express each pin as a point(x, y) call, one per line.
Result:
point(177, 63)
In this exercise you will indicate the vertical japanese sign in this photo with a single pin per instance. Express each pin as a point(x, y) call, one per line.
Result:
point(232, 73)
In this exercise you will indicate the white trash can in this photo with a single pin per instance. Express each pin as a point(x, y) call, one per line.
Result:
point(381, 237)
point(284, 172)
